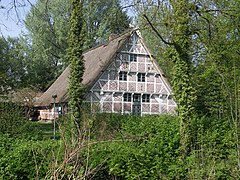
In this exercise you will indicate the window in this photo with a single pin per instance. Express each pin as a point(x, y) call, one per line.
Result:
point(123, 76)
point(133, 58)
point(141, 77)
point(146, 98)
point(127, 97)
point(137, 98)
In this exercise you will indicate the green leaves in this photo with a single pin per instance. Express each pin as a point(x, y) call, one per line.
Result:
point(147, 151)
point(21, 159)
point(103, 17)
point(76, 39)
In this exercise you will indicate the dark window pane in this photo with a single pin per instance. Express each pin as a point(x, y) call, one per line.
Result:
point(133, 58)
point(127, 97)
point(123, 76)
point(146, 98)
point(141, 77)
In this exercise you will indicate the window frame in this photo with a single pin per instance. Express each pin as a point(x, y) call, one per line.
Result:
point(141, 77)
point(127, 97)
point(137, 97)
point(163, 96)
point(122, 76)
point(133, 57)
point(146, 98)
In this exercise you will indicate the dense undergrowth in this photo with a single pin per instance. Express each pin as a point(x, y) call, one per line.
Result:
point(119, 147)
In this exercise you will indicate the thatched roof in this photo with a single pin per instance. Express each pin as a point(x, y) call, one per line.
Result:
point(96, 61)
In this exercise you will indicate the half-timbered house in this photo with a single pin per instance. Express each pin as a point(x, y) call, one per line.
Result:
point(121, 76)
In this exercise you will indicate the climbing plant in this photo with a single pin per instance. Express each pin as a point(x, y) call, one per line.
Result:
point(75, 50)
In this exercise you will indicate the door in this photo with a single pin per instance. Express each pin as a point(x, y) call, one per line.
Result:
point(136, 107)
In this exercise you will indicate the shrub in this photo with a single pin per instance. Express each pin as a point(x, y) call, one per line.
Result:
point(25, 159)
point(147, 148)
point(11, 119)
point(13, 123)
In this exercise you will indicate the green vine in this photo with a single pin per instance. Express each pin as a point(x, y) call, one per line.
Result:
point(182, 83)
point(74, 53)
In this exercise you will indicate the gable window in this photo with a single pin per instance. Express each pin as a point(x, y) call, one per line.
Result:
point(127, 97)
point(141, 77)
point(133, 58)
point(146, 98)
point(123, 76)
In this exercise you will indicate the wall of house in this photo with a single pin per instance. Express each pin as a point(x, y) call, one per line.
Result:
point(48, 114)
point(132, 82)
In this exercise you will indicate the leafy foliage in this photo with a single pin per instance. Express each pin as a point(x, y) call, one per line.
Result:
point(22, 159)
point(12, 72)
point(103, 17)
point(143, 147)
point(14, 123)
point(46, 43)
point(127, 147)
point(75, 50)
point(149, 148)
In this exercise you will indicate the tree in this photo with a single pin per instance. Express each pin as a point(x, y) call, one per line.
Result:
point(48, 26)
point(12, 66)
point(104, 17)
point(202, 39)
point(178, 40)
point(75, 50)
point(222, 43)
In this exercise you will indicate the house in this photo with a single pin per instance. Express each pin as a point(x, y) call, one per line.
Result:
point(121, 76)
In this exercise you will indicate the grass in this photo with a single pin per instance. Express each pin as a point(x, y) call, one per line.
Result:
point(47, 129)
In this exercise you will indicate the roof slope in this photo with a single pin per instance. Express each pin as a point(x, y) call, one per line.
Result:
point(96, 61)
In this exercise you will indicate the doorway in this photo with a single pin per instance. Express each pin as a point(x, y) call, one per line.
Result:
point(136, 107)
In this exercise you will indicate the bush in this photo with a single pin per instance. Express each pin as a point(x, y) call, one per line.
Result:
point(147, 148)
point(13, 123)
point(11, 119)
point(25, 159)
point(214, 154)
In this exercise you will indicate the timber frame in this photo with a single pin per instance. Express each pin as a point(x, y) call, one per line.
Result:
point(121, 76)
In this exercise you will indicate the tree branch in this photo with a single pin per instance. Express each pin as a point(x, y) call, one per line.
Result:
point(209, 25)
point(156, 31)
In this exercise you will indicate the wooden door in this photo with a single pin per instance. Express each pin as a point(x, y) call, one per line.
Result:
point(136, 107)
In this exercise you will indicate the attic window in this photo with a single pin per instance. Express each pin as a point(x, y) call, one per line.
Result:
point(127, 97)
point(141, 77)
point(122, 76)
point(146, 98)
point(133, 58)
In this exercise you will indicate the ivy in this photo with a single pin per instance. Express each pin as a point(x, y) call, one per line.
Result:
point(75, 50)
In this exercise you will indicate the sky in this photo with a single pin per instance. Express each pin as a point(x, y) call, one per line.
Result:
point(11, 18)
